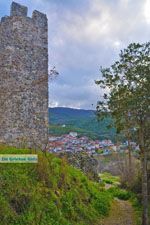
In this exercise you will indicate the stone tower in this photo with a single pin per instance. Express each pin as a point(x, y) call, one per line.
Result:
point(24, 78)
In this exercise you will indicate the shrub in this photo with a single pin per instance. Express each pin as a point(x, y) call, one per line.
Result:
point(120, 193)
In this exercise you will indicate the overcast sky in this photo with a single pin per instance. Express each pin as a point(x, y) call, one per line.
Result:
point(84, 35)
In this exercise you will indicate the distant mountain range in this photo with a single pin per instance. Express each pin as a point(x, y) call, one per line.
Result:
point(80, 120)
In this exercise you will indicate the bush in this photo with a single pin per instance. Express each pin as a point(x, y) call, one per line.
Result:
point(120, 193)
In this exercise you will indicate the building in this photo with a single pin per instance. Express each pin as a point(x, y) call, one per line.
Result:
point(73, 134)
point(24, 78)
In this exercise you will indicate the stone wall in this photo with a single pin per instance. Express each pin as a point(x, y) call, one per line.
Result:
point(24, 78)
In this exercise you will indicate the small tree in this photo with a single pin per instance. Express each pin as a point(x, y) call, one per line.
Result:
point(128, 83)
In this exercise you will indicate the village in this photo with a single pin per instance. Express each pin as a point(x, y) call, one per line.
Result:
point(72, 143)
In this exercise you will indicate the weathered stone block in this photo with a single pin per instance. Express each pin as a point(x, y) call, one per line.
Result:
point(39, 18)
point(18, 10)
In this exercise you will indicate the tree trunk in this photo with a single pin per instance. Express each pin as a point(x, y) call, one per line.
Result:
point(144, 178)
point(130, 159)
point(130, 172)
point(128, 135)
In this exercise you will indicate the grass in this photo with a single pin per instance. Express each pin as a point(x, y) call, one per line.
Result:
point(49, 193)
point(109, 179)
point(120, 193)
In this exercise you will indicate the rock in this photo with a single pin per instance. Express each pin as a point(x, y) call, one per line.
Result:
point(84, 162)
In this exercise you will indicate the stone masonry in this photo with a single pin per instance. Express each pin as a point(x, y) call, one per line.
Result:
point(24, 78)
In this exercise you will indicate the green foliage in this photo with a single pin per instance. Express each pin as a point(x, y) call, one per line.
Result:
point(128, 81)
point(48, 193)
point(109, 179)
point(120, 193)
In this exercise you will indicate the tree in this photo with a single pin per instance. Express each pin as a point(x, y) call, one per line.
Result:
point(127, 83)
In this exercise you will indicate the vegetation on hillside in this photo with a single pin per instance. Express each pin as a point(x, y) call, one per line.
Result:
point(49, 193)
point(82, 121)
point(59, 130)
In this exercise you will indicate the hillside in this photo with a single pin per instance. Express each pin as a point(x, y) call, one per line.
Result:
point(80, 120)
point(49, 193)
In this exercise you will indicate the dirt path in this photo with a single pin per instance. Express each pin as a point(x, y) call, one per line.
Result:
point(121, 213)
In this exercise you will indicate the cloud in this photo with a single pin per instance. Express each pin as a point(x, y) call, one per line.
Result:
point(84, 41)
point(84, 35)
point(74, 96)
point(147, 11)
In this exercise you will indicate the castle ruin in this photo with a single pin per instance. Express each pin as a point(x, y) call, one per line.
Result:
point(24, 78)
